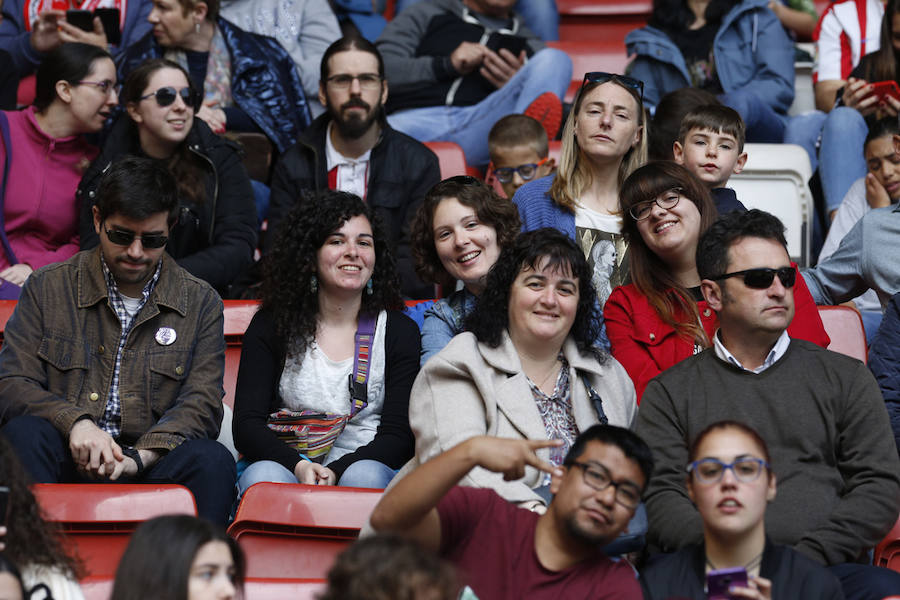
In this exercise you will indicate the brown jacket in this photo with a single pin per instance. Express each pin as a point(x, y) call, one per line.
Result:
point(59, 349)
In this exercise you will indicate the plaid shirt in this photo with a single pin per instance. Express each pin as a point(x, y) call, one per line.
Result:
point(556, 412)
point(111, 422)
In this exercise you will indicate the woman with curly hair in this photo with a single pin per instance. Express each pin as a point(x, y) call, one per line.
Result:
point(330, 271)
point(525, 367)
point(30, 542)
point(457, 235)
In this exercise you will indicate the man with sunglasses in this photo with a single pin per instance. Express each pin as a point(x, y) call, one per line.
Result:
point(504, 551)
point(112, 364)
point(820, 412)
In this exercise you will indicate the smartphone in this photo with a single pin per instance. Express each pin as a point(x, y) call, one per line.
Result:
point(82, 19)
point(4, 505)
point(109, 17)
point(883, 89)
point(718, 582)
point(513, 43)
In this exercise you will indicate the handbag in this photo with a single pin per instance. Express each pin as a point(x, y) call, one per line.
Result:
point(311, 432)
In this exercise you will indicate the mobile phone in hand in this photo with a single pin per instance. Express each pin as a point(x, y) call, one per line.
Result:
point(82, 19)
point(719, 581)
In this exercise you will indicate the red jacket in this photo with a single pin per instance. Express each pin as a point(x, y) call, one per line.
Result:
point(646, 345)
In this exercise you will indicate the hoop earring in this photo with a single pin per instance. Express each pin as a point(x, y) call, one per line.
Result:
point(314, 284)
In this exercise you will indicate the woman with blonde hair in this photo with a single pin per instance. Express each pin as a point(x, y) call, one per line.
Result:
point(603, 141)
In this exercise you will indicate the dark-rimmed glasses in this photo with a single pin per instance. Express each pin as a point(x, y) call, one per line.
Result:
point(165, 96)
point(711, 470)
point(367, 81)
point(526, 171)
point(126, 238)
point(601, 77)
point(642, 210)
point(596, 476)
point(105, 86)
point(762, 278)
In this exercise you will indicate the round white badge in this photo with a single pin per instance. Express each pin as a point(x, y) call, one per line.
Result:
point(165, 336)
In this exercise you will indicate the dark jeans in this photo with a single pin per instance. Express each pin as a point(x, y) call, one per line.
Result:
point(865, 582)
point(203, 466)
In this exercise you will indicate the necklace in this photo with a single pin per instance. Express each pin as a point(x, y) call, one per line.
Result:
point(553, 369)
point(753, 564)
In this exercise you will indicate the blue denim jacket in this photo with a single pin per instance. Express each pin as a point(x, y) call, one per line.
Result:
point(443, 320)
point(750, 49)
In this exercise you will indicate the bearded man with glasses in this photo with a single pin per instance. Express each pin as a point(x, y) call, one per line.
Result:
point(112, 364)
point(821, 412)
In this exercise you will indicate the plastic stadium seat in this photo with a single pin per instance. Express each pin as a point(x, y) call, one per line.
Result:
point(599, 54)
point(98, 519)
point(294, 530)
point(845, 328)
point(238, 314)
point(258, 151)
point(279, 589)
point(6, 310)
point(887, 552)
point(451, 158)
point(775, 180)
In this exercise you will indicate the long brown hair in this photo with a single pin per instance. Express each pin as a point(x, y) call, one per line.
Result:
point(574, 173)
point(881, 65)
point(649, 274)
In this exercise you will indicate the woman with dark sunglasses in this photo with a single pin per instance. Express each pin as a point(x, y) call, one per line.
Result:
point(661, 318)
point(42, 156)
point(731, 482)
point(216, 231)
point(603, 141)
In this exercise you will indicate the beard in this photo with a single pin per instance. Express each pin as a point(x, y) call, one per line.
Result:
point(353, 125)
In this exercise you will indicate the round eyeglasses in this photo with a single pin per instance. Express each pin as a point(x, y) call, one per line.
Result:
point(642, 210)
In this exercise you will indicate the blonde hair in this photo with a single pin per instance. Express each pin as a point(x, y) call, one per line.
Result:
point(574, 174)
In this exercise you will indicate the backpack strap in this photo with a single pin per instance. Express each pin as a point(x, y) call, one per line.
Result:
point(359, 378)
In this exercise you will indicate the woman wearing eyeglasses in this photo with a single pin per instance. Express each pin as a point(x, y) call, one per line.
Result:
point(215, 234)
point(248, 81)
point(457, 235)
point(603, 141)
point(661, 317)
point(43, 156)
point(730, 480)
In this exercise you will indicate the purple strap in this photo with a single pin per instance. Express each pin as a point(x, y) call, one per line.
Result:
point(359, 378)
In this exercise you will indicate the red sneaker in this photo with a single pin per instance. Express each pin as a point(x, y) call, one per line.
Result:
point(547, 110)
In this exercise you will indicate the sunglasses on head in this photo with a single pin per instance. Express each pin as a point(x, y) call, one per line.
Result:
point(165, 96)
point(601, 77)
point(761, 279)
point(126, 238)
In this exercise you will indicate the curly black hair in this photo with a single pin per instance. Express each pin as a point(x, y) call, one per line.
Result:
point(30, 540)
point(289, 268)
point(491, 315)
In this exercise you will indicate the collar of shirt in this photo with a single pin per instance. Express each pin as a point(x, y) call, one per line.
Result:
point(334, 158)
point(777, 351)
point(115, 295)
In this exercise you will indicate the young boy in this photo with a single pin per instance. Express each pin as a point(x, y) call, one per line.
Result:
point(710, 145)
point(519, 152)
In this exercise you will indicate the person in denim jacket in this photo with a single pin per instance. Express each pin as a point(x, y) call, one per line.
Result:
point(112, 364)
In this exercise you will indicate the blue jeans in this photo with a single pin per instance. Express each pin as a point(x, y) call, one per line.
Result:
point(549, 70)
point(540, 16)
point(362, 473)
point(841, 160)
point(764, 125)
point(203, 466)
point(804, 131)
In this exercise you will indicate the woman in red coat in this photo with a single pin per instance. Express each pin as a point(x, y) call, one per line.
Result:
point(661, 318)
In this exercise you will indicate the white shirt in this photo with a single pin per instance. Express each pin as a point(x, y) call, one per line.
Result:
point(774, 355)
point(352, 173)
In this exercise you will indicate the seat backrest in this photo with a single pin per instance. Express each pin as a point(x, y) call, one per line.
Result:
point(451, 158)
point(845, 328)
point(775, 179)
point(96, 506)
point(269, 588)
point(887, 552)
point(7, 307)
point(238, 314)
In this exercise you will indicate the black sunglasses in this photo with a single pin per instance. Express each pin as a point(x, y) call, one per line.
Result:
point(762, 278)
point(126, 238)
point(166, 96)
point(601, 77)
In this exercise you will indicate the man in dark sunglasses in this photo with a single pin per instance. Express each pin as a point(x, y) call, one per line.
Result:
point(112, 368)
point(836, 460)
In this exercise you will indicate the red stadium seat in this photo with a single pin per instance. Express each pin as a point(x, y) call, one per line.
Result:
point(451, 158)
point(238, 314)
point(294, 530)
point(98, 519)
point(100, 588)
point(96, 588)
point(887, 552)
point(600, 53)
point(845, 328)
point(6, 310)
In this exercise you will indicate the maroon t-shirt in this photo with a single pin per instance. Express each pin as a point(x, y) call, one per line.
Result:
point(491, 542)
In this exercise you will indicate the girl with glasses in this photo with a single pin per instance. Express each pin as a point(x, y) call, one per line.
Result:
point(661, 317)
point(42, 156)
point(216, 231)
point(730, 481)
point(603, 141)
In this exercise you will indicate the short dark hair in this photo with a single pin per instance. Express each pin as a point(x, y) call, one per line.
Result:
point(715, 243)
point(518, 130)
point(881, 128)
point(663, 130)
point(630, 443)
point(491, 315)
point(349, 42)
point(157, 563)
point(137, 188)
point(714, 117)
point(70, 62)
point(490, 208)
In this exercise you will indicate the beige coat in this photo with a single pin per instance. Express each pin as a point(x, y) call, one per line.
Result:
point(471, 389)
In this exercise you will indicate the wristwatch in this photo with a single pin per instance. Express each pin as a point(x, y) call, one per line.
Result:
point(134, 455)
